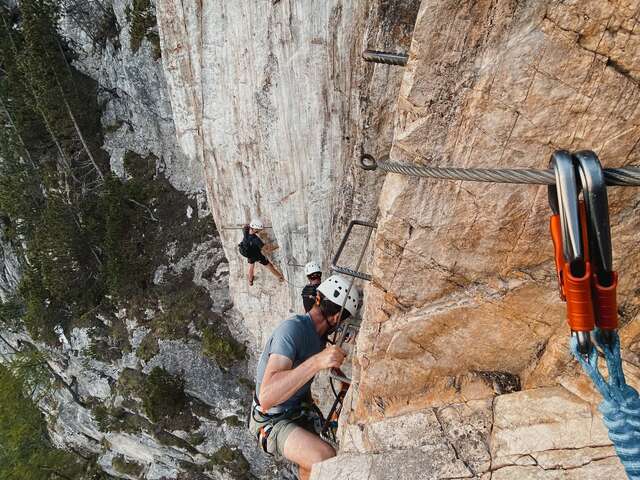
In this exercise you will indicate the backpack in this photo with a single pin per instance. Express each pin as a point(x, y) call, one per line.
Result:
point(242, 248)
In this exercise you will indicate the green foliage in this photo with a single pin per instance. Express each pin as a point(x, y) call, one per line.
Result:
point(163, 395)
point(25, 450)
point(131, 381)
point(60, 282)
point(80, 254)
point(128, 266)
point(122, 465)
point(197, 438)
point(142, 18)
point(120, 420)
point(148, 348)
point(233, 461)
point(233, 421)
point(181, 307)
point(11, 312)
point(21, 197)
point(222, 347)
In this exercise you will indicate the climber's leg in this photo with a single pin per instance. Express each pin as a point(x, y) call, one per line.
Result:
point(275, 271)
point(265, 261)
point(251, 272)
point(305, 449)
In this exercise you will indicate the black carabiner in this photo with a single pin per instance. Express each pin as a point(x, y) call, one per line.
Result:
point(594, 191)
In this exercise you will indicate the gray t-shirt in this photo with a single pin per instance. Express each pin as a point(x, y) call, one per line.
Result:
point(297, 339)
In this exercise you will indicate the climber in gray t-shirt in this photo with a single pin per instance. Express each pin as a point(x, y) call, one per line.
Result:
point(298, 340)
point(293, 355)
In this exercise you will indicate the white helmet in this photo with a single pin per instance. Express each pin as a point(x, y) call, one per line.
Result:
point(256, 224)
point(335, 289)
point(312, 267)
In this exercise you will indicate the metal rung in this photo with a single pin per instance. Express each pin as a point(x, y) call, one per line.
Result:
point(352, 273)
point(347, 271)
point(385, 57)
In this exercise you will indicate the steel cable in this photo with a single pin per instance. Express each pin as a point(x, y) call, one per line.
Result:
point(624, 176)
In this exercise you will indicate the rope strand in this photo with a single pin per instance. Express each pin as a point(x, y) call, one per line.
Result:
point(620, 405)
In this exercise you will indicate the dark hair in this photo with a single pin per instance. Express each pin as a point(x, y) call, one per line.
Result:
point(328, 308)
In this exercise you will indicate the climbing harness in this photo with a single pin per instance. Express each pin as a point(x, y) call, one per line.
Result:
point(267, 421)
point(622, 177)
point(388, 58)
point(581, 235)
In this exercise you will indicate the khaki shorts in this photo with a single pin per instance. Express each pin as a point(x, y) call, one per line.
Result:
point(282, 427)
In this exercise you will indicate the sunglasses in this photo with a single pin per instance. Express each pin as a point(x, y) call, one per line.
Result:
point(315, 276)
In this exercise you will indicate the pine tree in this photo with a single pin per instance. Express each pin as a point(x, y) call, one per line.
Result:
point(26, 452)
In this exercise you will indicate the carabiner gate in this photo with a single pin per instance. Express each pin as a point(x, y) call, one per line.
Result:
point(572, 265)
point(604, 279)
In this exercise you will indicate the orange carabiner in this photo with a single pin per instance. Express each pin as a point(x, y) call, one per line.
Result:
point(568, 233)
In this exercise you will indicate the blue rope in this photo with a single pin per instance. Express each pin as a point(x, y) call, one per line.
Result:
point(620, 405)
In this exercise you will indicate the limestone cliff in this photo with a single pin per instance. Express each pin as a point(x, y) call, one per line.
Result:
point(275, 101)
point(463, 330)
point(463, 308)
point(461, 368)
point(101, 364)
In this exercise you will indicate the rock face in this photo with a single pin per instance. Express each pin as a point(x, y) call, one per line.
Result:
point(462, 369)
point(463, 330)
point(273, 99)
point(463, 305)
point(9, 264)
point(136, 107)
point(545, 433)
point(96, 408)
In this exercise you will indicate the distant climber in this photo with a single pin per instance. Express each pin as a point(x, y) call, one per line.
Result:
point(251, 247)
point(314, 274)
point(283, 416)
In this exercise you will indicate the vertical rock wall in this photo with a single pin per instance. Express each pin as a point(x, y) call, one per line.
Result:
point(463, 364)
point(272, 97)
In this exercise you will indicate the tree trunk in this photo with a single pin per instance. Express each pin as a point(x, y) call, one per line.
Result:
point(84, 143)
point(65, 160)
point(72, 116)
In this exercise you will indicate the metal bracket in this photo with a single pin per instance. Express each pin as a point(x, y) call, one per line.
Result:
point(388, 58)
point(348, 271)
point(349, 330)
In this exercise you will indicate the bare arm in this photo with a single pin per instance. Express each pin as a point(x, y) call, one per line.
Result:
point(269, 247)
point(280, 381)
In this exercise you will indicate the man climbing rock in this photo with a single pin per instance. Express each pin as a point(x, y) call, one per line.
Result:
point(314, 275)
point(251, 247)
point(282, 415)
